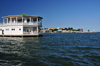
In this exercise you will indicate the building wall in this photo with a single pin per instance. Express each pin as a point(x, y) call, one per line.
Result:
point(0, 31)
point(10, 30)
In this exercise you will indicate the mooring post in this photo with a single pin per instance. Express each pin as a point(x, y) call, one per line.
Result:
point(22, 35)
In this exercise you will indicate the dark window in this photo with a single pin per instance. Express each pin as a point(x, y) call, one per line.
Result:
point(20, 29)
point(13, 29)
point(7, 29)
point(0, 29)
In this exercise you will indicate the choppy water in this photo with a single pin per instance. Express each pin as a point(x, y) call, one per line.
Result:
point(59, 49)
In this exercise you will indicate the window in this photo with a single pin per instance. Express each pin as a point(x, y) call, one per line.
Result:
point(13, 29)
point(19, 28)
point(7, 29)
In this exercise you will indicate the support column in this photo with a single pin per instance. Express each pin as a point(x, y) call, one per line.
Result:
point(16, 19)
point(22, 19)
point(7, 20)
point(10, 19)
point(33, 20)
point(3, 21)
point(37, 20)
point(30, 19)
point(37, 29)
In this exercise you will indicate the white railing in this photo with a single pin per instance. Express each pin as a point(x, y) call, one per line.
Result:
point(32, 32)
point(1, 24)
point(21, 24)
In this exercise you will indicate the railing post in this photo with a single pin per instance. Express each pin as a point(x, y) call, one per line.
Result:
point(16, 19)
point(30, 19)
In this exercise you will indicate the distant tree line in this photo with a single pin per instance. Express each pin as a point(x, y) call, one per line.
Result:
point(68, 29)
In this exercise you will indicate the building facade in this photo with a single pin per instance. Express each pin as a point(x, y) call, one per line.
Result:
point(21, 25)
point(51, 28)
point(60, 28)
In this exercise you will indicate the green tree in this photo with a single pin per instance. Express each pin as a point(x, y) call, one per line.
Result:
point(88, 30)
point(55, 29)
point(66, 29)
point(78, 29)
point(71, 28)
point(74, 30)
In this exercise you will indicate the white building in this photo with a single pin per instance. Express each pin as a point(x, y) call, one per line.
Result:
point(21, 25)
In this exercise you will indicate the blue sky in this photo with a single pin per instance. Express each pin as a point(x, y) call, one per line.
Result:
point(83, 14)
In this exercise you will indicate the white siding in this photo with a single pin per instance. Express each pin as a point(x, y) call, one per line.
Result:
point(1, 30)
point(12, 32)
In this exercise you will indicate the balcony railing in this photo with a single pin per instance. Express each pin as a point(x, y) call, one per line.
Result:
point(21, 24)
point(32, 32)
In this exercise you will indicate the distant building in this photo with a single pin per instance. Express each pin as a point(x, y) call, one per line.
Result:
point(51, 28)
point(60, 28)
point(93, 30)
point(64, 31)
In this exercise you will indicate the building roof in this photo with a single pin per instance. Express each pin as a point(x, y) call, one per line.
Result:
point(22, 15)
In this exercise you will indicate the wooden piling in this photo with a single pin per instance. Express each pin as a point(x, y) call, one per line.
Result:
point(22, 35)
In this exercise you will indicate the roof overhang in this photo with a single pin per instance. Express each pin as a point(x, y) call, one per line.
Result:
point(21, 16)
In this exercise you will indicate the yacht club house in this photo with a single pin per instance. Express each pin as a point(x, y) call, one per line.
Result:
point(21, 25)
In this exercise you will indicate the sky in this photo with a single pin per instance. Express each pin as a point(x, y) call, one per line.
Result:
point(79, 14)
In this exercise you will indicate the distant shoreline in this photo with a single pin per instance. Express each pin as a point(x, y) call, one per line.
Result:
point(79, 32)
point(91, 32)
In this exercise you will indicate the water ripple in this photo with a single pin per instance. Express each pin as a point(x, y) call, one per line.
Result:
point(58, 49)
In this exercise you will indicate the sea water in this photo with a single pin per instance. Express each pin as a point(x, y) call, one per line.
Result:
point(52, 49)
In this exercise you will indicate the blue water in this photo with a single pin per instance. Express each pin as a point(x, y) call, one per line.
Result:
point(53, 49)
